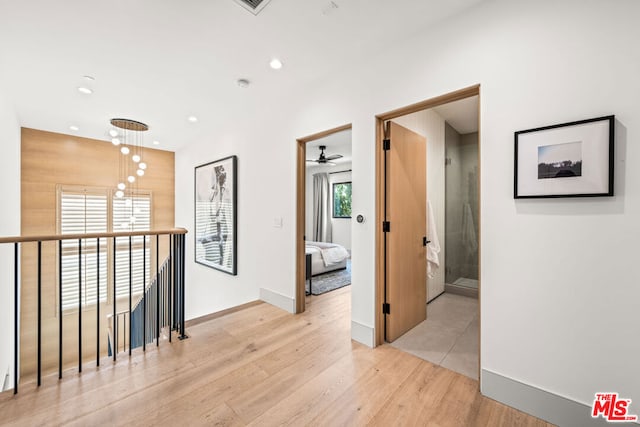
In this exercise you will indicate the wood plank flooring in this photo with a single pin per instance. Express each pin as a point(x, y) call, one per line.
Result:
point(262, 366)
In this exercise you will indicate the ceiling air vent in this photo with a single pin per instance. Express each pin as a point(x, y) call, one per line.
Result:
point(253, 6)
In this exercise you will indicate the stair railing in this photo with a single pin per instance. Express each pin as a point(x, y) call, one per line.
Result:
point(172, 277)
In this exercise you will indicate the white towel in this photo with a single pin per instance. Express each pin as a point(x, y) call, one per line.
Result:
point(468, 230)
point(433, 247)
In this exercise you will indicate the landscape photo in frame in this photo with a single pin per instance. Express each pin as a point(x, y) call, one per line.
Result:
point(574, 159)
point(560, 160)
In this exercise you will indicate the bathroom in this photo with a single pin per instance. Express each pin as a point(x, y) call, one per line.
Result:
point(450, 335)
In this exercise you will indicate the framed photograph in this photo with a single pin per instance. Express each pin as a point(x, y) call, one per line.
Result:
point(342, 199)
point(566, 160)
point(216, 214)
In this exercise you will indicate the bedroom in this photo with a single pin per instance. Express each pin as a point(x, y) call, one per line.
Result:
point(328, 193)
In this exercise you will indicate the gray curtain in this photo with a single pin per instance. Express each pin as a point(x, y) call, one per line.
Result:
point(321, 205)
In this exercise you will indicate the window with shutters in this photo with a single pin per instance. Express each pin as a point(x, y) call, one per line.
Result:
point(94, 210)
point(132, 214)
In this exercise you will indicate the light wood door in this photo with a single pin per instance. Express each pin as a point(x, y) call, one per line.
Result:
point(406, 206)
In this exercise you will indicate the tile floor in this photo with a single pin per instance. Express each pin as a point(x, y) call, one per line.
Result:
point(449, 336)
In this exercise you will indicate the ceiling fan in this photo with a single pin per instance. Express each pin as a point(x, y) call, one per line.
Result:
point(325, 160)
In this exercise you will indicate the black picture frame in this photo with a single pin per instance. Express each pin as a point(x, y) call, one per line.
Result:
point(333, 199)
point(216, 214)
point(574, 159)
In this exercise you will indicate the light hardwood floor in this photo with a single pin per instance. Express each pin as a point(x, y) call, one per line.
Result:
point(262, 366)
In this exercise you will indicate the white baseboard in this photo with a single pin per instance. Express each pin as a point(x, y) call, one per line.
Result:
point(7, 380)
point(281, 301)
point(540, 403)
point(362, 334)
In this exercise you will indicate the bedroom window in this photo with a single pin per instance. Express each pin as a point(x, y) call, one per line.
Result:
point(342, 200)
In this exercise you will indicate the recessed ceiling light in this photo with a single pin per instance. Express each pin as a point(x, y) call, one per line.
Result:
point(74, 128)
point(192, 119)
point(275, 63)
point(156, 142)
point(89, 78)
point(85, 90)
point(243, 82)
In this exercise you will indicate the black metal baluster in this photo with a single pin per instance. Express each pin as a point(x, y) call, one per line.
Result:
point(130, 290)
point(157, 290)
point(159, 298)
point(98, 304)
point(39, 312)
point(182, 286)
point(114, 345)
point(124, 331)
point(164, 295)
point(170, 290)
point(144, 293)
point(177, 283)
point(15, 317)
point(79, 305)
point(59, 309)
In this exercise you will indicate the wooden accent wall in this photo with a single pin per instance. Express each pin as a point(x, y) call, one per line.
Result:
point(49, 159)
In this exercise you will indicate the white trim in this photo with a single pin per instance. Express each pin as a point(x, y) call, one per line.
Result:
point(6, 383)
point(281, 301)
point(362, 333)
point(540, 403)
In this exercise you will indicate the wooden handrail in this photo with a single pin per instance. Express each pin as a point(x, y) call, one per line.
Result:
point(50, 237)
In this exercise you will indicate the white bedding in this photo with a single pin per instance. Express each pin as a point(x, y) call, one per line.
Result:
point(326, 257)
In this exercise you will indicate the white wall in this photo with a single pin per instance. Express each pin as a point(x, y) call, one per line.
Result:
point(429, 124)
point(9, 226)
point(559, 283)
point(340, 227)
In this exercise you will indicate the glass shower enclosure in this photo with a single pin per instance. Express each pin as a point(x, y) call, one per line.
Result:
point(461, 210)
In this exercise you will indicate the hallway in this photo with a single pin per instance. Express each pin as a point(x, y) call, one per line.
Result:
point(263, 366)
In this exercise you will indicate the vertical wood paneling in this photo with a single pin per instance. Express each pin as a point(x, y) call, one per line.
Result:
point(49, 159)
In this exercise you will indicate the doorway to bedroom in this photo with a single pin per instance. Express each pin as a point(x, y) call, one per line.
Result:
point(323, 252)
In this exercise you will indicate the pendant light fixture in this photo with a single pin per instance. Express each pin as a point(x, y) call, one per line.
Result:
point(129, 137)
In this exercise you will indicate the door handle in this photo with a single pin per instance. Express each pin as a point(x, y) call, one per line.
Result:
point(425, 241)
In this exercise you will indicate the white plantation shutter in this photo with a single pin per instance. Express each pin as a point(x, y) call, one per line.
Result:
point(83, 212)
point(89, 211)
point(133, 214)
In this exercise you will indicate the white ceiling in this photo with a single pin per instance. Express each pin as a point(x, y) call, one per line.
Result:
point(462, 115)
point(159, 61)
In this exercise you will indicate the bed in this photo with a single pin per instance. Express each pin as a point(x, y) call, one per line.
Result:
point(326, 257)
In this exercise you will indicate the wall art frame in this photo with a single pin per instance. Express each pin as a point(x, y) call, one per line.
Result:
point(574, 159)
point(216, 214)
